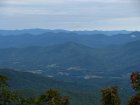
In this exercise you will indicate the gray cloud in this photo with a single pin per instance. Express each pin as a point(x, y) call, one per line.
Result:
point(70, 14)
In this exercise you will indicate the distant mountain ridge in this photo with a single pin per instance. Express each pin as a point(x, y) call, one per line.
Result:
point(78, 61)
point(53, 38)
point(41, 31)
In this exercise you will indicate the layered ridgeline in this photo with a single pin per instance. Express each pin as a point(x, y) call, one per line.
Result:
point(74, 60)
point(41, 31)
point(89, 68)
point(95, 39)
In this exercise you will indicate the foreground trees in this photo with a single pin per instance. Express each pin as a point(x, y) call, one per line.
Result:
point(110, 96)
point(135, 81)
point(5, 96)
point(135, 100)
point(9, 97)
point(53, 97)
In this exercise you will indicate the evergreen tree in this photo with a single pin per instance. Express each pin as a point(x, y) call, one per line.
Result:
point(110, 96)
point(52, 97)
point(8, 97)
point(135, 81)
point(4, 93)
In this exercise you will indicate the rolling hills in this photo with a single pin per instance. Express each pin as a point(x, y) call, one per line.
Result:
point(72, 59)
point(75, 63)
point(47, 38)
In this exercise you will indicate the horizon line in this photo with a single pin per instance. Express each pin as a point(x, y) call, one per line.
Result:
point(59, 29)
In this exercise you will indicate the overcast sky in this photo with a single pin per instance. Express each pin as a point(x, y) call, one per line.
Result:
point(70, 14)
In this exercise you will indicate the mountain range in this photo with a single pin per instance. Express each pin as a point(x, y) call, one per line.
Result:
point(53, 38)
point(76, 62)
point(73, 59)
point(41, 31)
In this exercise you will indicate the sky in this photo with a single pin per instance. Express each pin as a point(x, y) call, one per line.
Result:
point(70, 14)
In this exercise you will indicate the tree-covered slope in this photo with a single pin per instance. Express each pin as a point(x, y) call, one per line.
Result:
point(31, 85)
point(72, 59)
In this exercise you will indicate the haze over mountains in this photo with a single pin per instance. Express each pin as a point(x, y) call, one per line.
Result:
point(91, 60)
point(95, 39)
point(66, 53)
point(72, 58)
point(41, 31)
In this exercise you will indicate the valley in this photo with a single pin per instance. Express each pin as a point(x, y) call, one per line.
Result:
point(71, 63)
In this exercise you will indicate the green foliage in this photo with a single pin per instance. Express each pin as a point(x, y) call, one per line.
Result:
point(4, 92)
point(52, 97)
point(121, 59)
point(110, 96)
point(32, 85)
point(9, 97)
point(135, 100)
point(135, 81)
point(3, 81)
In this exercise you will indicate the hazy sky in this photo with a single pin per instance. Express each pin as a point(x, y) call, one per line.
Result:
point(70, 14)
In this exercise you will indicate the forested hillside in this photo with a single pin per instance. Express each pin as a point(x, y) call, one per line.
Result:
point(33, 85)
point(78, 65)
point(73, 59)
point(31, 89)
